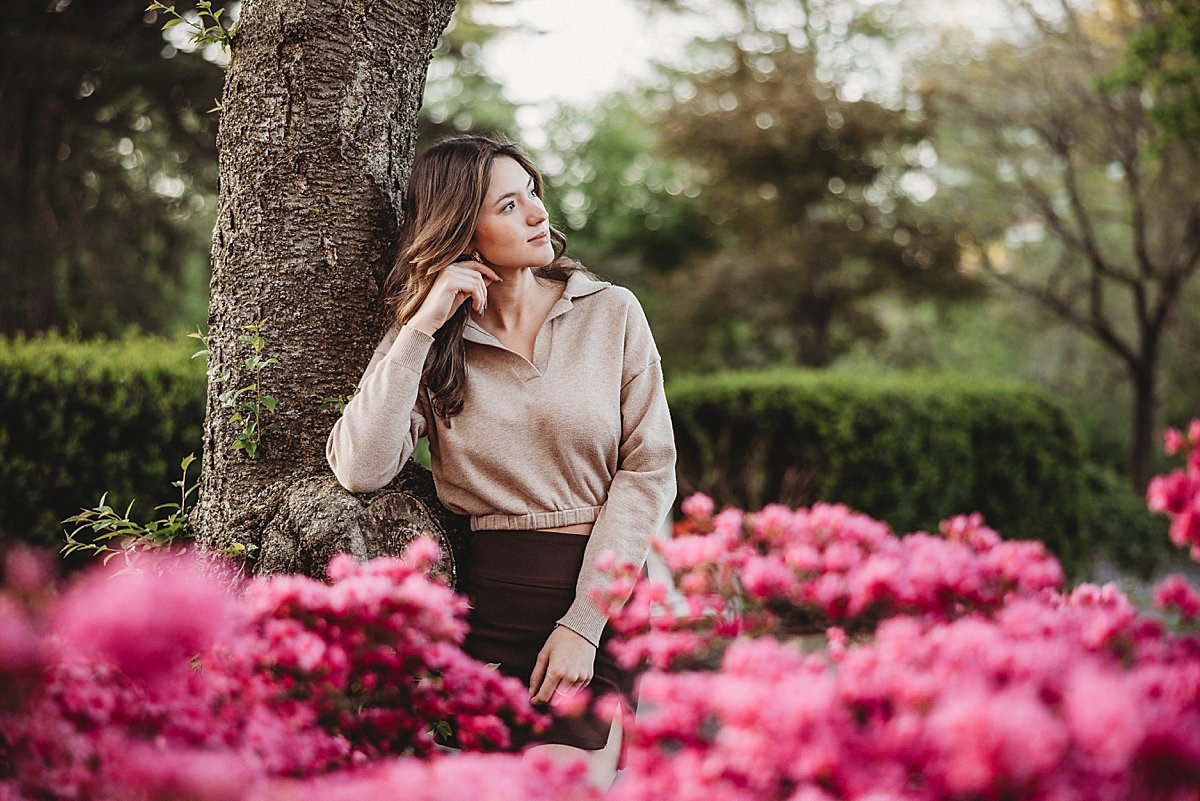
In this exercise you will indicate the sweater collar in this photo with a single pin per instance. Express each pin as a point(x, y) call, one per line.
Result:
point(578, 285)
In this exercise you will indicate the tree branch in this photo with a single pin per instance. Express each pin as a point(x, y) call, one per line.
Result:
point(1094, 322)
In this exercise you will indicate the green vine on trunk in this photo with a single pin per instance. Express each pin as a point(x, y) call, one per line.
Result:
point(337, 403)
point(248, 404)
point(207, 27)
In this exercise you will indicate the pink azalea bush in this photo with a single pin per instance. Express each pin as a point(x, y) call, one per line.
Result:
point(125, 674)
point(1053, 697)
point(787, 571)
point(949, 667)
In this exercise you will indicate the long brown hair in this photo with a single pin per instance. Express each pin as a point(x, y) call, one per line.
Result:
point(441, 208)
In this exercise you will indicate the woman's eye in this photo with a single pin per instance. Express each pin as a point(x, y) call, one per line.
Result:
point(509, 206)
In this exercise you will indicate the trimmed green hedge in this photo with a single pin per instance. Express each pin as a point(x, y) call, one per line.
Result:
point(78, 419)
point(907, 449)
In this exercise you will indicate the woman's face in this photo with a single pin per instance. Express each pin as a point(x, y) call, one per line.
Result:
point(513, 229)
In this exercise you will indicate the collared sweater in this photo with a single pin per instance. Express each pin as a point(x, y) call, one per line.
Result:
point(581, 434)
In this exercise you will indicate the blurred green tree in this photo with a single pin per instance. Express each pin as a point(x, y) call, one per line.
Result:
point(1164, 55)
point(460, 96)
point(107, 167)
point(820, 198)
point(1050, 169)
point(618, 199)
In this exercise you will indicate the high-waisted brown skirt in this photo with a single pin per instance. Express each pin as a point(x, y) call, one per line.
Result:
point(519, 584)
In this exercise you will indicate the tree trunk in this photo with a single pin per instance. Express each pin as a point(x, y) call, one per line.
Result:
point(1147, 405)
point(318, 123)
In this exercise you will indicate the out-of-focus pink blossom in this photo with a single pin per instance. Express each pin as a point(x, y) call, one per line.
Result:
point(1175, 592)
point(698, 506)
point(173, 686)
point(1170, 494)
point(1173, 441)
point(146, 625)
point(26, 571)
point(982, 708)
point(1177, 494)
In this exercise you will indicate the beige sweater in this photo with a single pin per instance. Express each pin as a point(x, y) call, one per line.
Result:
point(580, 435)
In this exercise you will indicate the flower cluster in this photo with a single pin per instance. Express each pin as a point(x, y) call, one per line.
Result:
point(785, 572)
point(1177, 494)
point(1052, 697)
point(376, 657)
point(171, 681)
point(495, 777)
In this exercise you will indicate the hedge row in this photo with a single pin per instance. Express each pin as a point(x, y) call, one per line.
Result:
point(908, 449)
point(80, 419)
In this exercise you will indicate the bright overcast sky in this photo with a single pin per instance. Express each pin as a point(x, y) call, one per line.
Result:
point(572, 52)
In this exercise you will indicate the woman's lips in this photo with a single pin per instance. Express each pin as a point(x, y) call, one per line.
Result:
point(540, 238)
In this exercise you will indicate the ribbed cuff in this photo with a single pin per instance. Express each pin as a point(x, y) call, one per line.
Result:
point(586, 620)
point(410, 349)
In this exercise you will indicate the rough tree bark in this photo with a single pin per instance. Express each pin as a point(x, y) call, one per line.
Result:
point(318, 123)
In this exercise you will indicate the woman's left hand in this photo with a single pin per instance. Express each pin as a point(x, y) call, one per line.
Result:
point(566, 662)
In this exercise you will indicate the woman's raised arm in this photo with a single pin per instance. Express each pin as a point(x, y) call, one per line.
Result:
point(380, 426)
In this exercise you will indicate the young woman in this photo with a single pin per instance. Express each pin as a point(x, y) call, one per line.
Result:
point(541, 392)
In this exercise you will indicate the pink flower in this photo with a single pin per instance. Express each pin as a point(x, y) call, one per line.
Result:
point(1175, 592)
point(147, 624)
point(1102, 718)
point(27, 571)
point(766, 577)
point(971, 530)
point(1170, 494)
point(992, 741)
point(698, 506)
point(836, 638)
point(21, 648)
point(157, 772)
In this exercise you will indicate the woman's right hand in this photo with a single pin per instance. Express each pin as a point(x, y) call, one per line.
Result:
point(454, 284)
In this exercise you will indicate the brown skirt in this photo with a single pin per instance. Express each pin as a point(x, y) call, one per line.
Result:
point(519, 584)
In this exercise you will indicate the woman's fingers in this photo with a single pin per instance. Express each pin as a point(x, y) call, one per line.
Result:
point(484, 270)
point(539, 672)
point(467, 281)
point(460, 284)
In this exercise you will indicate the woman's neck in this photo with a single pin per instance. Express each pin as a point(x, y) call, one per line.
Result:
point(520, 300)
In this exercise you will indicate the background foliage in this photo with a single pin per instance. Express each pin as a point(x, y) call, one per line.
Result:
point(107, 169)
point(78, 419)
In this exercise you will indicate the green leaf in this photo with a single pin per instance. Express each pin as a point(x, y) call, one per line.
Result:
point(268, 403)
point(171, 23)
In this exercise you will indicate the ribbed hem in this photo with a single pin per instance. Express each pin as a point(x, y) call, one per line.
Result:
point(533, 520)
point(585, 619)
point(410, 349)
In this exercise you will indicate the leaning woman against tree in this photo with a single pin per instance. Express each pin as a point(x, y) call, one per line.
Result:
point(541, 392)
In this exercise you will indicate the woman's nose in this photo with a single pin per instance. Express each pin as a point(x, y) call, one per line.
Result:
point(537, 212)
